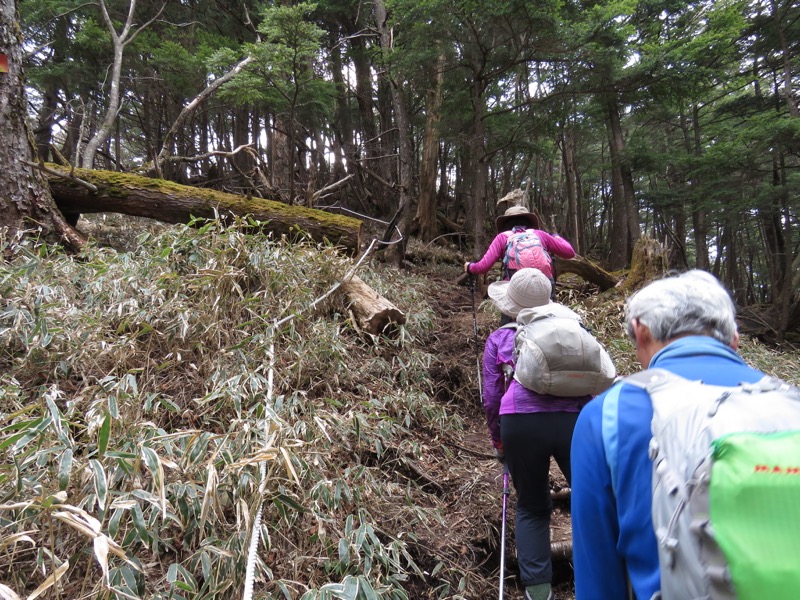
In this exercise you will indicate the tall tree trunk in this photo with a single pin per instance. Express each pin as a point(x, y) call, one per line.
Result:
point(281, 157)
point(241, 136)
point(698, 212)
point(625, 217)
point(405, 154)
point(119, 41)
point(373, 148)
point(786, 54)
point(25, 199)
point(426, 211)
point(47, 112)
point(573, 217)
point(476, 176)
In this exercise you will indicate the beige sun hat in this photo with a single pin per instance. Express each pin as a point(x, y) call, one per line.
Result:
point(527, 288)
point(515, 212)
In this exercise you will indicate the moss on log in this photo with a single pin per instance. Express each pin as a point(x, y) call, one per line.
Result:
point(174, 203)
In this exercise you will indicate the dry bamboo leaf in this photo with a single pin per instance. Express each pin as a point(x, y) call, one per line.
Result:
point(289, 465)
point(75, 522)
point(211, 484)
point(82, 515)
point(6, 593)
point(50, 581)
point(16, 506)
point(243, 514)
point(267, 454)
point(322, 427)
point(101, 553)
point(14, 538)
point(168, 463)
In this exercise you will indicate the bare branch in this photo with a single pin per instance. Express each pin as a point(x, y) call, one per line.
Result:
point(70, 175)
point(189, 108)
point(187, 159)
point(329, 189)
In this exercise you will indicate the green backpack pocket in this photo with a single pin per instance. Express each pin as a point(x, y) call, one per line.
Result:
point(754, 509)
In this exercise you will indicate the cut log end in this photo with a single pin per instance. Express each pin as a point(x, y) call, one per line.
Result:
point(374, 314)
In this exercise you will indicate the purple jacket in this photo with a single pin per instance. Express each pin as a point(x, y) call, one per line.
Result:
point(517, 399)
point(552, 243)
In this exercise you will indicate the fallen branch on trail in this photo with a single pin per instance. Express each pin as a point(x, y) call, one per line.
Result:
point(579, 266)
point(587, 270)
point(561, 551)
point(174, 203)
point(373, 313)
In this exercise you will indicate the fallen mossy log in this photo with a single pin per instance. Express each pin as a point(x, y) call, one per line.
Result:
point(174, 203)
point(372, 312)
point(579, 266)
point(587, 270)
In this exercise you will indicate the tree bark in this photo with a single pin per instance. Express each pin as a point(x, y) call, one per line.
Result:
point(175, 203)
point(396, 252)
point(625, 217)
point(476, 188)
point(373, 313)
point(649, 262)
point(426, 209)
point(573, 229)
point(698, 212)
point(25, 199)
point(120, 41)
point(587, 270)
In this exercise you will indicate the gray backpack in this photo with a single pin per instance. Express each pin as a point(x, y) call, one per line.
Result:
point(726, 487)
point(554, 354)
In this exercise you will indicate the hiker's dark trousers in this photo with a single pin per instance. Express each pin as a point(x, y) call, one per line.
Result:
point(529, 440)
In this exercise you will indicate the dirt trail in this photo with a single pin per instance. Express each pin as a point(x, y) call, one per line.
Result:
point(471, 476)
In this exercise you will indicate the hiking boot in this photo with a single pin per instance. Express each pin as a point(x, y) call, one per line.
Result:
point(550, 596)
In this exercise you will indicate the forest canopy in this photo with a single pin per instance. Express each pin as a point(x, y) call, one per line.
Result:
point(678, 120)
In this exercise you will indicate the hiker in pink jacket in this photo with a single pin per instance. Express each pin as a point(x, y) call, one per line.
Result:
point(517, 221)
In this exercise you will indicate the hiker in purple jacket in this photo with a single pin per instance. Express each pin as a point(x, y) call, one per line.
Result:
point(526, 429)
point(517, 219)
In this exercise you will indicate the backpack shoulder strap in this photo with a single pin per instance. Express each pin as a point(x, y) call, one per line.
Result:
point(610, 430)
point(652, 379)
point(507, 369)
point(649, 380)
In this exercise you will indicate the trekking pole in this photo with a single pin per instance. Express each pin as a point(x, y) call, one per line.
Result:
point(475, 329)
point(506, 492)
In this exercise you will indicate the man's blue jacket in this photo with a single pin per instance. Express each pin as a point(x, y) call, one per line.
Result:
point(612, 533)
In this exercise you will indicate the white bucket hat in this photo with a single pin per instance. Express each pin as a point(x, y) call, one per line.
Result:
point(527, 288)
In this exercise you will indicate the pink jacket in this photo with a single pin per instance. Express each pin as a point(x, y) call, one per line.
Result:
point(554, 244)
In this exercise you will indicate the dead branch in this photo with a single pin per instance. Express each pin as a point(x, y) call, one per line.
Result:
point(190, 108)
point(199, 157)
point(71, 175)
point(329, 189)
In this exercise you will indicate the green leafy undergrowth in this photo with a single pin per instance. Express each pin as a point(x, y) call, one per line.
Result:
point(144, 422)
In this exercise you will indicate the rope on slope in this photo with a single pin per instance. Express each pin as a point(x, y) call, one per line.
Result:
point(252, 551)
